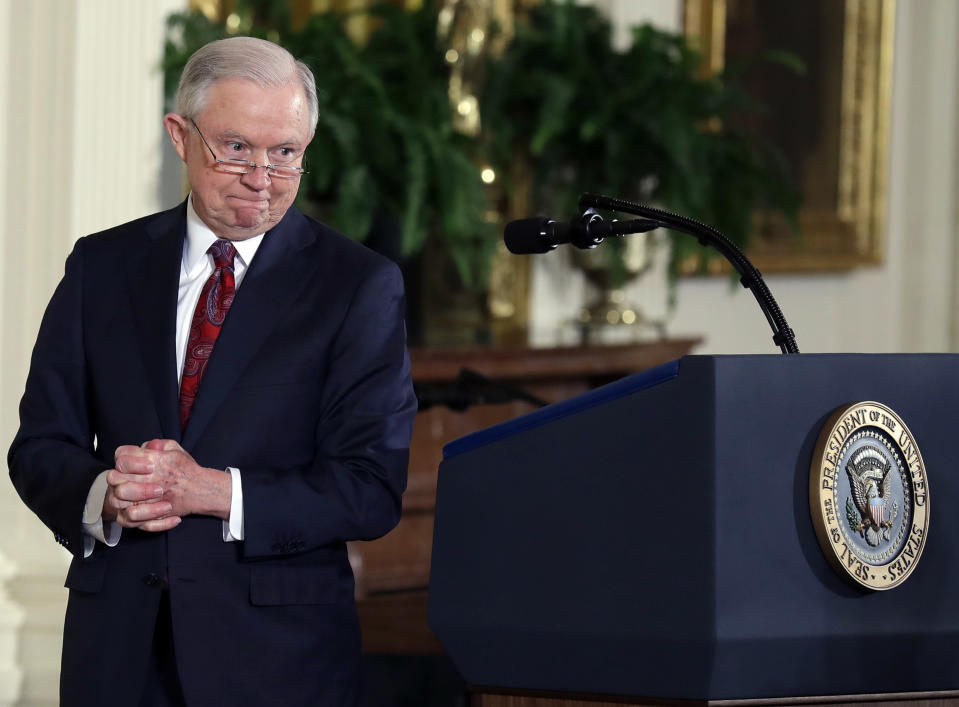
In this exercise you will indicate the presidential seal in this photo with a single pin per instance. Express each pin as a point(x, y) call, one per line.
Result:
point(869, 495)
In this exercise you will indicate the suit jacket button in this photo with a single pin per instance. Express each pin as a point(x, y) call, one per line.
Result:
point(151, 580)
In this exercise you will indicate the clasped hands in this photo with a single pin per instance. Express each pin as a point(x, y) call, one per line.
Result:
point(154, 486)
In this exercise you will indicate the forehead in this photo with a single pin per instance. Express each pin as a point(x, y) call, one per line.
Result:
point(264, 114)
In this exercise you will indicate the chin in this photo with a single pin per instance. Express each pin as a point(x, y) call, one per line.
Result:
point(248, 224)
point(251, 219)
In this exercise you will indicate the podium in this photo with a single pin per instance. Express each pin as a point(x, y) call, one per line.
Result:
point(651, 541)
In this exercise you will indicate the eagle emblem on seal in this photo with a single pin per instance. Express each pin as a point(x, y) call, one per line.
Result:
point(868, 471)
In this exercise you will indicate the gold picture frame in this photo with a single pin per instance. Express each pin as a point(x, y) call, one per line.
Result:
point(842, 221)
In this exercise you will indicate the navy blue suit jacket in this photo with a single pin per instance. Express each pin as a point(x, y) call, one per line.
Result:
point(308, 393)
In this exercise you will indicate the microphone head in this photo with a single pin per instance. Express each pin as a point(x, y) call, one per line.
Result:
point(530, 235)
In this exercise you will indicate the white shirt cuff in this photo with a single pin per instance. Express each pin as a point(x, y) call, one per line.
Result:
point(233, 527)
point(93, 518)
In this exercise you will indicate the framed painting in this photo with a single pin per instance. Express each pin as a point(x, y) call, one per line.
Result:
point(832, 122)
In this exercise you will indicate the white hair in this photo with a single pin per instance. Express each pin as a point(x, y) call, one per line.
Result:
point(265, 63)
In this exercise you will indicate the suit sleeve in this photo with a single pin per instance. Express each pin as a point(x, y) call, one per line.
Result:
point(353, 487)
point(51, 461)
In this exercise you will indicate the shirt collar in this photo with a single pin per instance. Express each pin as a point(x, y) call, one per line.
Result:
point(199, 238)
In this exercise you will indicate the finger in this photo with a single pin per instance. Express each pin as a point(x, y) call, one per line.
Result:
point(170, 445)
point(124, 449)
point(119, 504)
point(137, 492)
point(142, 512)
point(140, 463)
point(161, 445)
point(115, 478)
point(154, 525)
point(161, 524)
point(155, 515)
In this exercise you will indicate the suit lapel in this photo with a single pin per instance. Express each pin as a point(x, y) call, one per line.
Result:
point(153, 274)
point(277, 275)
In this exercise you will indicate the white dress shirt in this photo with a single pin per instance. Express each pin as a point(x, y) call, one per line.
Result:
point(195, 269)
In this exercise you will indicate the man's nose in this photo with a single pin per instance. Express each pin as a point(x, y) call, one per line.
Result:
point(257, 178)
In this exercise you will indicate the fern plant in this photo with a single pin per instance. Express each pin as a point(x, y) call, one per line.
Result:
point(641, 124)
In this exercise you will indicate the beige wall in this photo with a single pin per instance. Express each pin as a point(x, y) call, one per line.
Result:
point(79, 120)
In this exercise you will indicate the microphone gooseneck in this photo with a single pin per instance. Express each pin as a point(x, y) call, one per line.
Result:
point(750, 277)
point(589, 229)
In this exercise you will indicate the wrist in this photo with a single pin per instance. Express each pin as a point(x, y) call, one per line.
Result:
point(219, 494)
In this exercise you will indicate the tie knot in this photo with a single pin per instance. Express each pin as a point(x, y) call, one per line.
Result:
point(223, 253)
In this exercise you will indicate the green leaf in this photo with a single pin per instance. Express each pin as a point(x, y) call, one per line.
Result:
point(414, 226)
point(352, 214)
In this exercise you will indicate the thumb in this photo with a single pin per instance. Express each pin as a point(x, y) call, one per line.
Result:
point(162, 445)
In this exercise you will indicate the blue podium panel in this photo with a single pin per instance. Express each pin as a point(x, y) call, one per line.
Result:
point(653, 538)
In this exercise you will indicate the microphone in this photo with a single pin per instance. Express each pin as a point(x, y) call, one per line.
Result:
point(586, 230)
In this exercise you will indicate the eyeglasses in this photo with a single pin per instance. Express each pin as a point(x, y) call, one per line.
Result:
point(245, 166)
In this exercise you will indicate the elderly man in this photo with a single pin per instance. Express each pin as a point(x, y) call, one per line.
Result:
point(219, 399)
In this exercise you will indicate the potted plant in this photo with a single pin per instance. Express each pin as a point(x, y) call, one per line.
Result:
point(641, 123)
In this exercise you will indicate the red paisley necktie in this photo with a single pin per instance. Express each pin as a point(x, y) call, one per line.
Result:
point(211, 309)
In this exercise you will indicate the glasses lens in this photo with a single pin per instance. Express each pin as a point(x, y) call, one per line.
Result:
point(234, 166)
point(285, 172)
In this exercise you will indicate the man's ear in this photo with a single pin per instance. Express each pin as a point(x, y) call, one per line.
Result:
point(178, 129)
